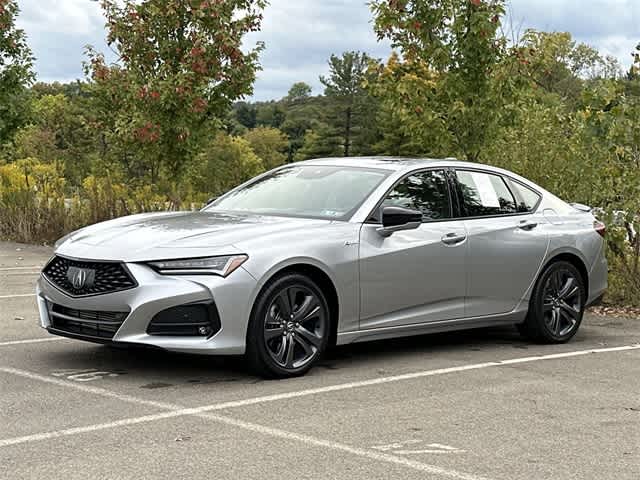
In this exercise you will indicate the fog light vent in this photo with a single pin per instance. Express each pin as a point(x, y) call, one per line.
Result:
point(195, 320)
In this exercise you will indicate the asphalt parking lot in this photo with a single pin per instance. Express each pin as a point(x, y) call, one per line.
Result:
point(474, 405)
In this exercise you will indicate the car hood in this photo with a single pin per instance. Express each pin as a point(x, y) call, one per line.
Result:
point(173, 235)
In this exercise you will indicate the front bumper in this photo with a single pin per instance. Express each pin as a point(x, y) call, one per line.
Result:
point(233, 297)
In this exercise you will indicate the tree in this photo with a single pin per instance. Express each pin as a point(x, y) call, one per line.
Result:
point(225, 163)
point(269, 144)
point(57, 135)
point(451, 50)
point(344, 88)
point(245, 114)
point(16, 63)
point(299, 92)
point(555, 63)
point(182, 66)
point(270, 114)
point(320, 142)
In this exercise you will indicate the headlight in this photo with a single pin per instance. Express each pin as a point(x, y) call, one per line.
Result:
point(222, 266)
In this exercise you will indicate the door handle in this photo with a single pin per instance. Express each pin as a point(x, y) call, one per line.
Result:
point(527, 225)
point(453, 239)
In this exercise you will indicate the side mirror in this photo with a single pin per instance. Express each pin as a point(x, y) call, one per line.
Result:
point(396, 219)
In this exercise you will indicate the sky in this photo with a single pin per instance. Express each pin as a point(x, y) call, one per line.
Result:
point(300, 35)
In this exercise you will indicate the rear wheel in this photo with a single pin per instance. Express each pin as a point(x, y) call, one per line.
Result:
point(289, 328)
point(557, 305)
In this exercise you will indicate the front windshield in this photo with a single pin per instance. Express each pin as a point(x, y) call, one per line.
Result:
point(305, 191)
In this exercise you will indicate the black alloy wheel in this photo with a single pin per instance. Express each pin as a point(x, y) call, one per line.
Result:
point(557, 304)
point(289, 328)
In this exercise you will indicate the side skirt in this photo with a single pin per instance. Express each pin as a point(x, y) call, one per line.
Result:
point(431, 327)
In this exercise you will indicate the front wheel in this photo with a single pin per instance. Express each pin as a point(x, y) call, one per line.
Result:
point(557, 305)
point(289, 327)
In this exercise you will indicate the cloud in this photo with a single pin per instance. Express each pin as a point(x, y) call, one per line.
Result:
point(58, 34)
point(612, 26)
point(300, 35)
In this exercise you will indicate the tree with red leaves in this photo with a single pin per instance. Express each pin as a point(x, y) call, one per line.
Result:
point(181, 66)
point(16, 62)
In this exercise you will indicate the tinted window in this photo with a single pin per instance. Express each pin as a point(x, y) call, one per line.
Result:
point(427, 192)
point(484, 194)
point(527, 199)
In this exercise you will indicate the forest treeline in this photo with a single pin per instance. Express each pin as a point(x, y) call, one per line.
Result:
point(168, 125)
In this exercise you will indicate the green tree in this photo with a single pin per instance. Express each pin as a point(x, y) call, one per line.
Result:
point(301, 114)
point(344, 89)
point(182, 67)
point(16, 63)
point(557, 64)
point(451, 52)
point(269, 144)
point(245, 114)
point(270, 114)
point(321, 142)
point(226, 162)
point(58, 134)
point(299, 92)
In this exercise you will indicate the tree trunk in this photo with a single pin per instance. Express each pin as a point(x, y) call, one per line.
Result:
point(347, 132)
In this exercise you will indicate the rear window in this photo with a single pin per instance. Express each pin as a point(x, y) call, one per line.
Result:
point(526, 198)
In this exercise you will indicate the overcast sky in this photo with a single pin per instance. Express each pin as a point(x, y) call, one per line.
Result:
point(300, 35)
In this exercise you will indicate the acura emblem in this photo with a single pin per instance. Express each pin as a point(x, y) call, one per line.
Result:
point(81, 278)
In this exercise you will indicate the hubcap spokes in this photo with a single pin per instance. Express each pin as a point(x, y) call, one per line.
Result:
point(294, 327)
point(562, 303)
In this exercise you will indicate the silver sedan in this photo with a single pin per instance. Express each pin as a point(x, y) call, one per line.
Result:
point(329, 252)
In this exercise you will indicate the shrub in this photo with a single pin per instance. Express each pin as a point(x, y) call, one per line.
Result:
point(32, 203)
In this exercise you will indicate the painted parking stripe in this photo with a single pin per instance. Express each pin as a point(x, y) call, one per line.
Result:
point(31, 267)
point(89, 389)
point(21, 272)
point(22, 295)
point(177, 411)
point(408, 376)
point(31, 340)
point(312, 391)
point(205, 411)
point(319, 390)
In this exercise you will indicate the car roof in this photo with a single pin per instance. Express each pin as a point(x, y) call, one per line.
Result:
point(384, 163)
point(402, 165)
point(394, 163)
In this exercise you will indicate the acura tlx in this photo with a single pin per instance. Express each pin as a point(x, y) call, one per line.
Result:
point(330, 252)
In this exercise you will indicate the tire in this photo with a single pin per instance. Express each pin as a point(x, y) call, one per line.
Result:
point(289, 327)
point(557, 305)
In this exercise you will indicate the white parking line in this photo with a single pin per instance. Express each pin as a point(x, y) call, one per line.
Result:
point(177, 411)
point(31, 267)
point(22, 295)
point(205, 411)
point(21, 272)
point(409, 376)
point(31, 340)
point(89, 389)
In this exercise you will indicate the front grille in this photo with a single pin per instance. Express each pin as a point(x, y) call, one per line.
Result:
point(98, 277)
point(90, 323)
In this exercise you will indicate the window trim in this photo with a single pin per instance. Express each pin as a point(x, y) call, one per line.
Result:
point(445, 170)
point(503, 176)
point(455, 202)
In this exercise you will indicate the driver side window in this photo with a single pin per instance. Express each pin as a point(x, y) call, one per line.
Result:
point(427, 192)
